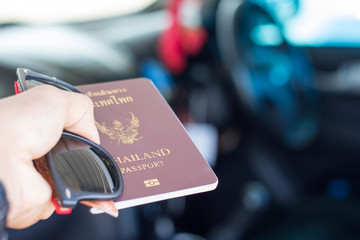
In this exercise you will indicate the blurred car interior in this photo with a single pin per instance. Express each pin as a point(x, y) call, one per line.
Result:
point(269, 90)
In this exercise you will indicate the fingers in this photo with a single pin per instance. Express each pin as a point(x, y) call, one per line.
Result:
point(47, 211)
point(80, 116)
point(35, 119)
point(76, 110)
point(29, 197)
point(31, 124)
point(31, 216)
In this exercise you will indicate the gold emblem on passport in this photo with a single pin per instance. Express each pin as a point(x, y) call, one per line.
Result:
point(151, 182)
point(123, 133)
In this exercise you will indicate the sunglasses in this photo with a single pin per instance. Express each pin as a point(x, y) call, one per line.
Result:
point(80, 169)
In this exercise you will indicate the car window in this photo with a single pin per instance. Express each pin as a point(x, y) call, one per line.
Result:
point(60, 11)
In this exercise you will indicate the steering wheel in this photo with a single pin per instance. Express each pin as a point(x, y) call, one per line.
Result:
point(273, 79)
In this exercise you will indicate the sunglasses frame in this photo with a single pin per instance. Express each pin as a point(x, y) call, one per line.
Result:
point(27, 74)
point(68, 197)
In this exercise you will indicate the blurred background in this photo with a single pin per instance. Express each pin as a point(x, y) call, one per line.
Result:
point(268, 89)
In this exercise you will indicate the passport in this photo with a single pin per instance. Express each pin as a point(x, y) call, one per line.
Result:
point(157, 158)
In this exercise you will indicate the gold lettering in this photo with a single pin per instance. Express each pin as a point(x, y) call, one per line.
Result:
point(165, 151)
point(110, 102)
point(157, 153)
point(96, 94)
point(125, 99)
point(142, 167)
point(102, 103)
point(89, 94)
point(122, 100)
point(132, 157)
point(138, 158)
point(114, 98)
point(125, 159)
point(146, 156)
point(105, 92)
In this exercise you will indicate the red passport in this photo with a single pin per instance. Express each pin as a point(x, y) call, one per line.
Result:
point(157, 158)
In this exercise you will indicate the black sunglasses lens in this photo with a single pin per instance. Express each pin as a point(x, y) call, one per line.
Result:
point(80, 168)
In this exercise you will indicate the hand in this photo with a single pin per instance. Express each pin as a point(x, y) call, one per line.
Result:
point(31, 123)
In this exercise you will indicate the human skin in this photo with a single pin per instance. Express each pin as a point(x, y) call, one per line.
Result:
point(31, 124)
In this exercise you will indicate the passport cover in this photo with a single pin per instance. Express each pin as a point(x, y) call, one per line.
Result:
point(157, 158)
